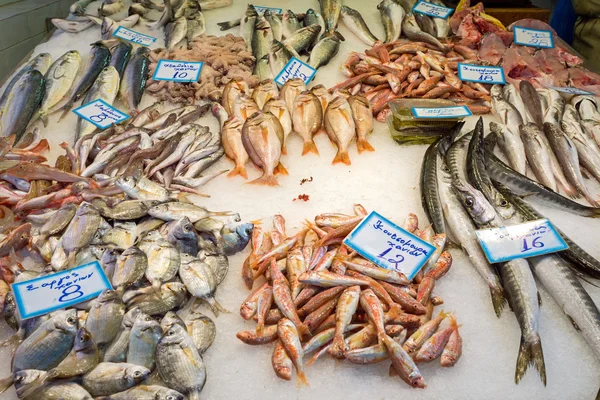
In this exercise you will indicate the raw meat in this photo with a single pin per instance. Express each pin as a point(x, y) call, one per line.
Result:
point(492, 48)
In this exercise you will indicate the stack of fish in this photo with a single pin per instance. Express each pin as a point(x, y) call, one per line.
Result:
point(132, 338)
point(245, 115)
point(473, 189)
point(558, 140)
point(320, 298)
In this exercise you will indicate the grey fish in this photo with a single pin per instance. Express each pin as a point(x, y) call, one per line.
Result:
point(129, 268)
point(512, 146)
point(48, 345)
point(566, 152)
point(59, 79)
point(532, 102)
point(312, 17)
point(588, 150)
point(556, 105)
point(262, 38)
point(303, 38)
point(124, 210)
point(179, 364)
point(330, 10)
point(148, 392)
point(22, 104)
point(163, 262)
point(104, 318)
point(117, 351)
point(538, 155)
point(166, 16)
point(120, 54)
point(587, 107)
point(176, 210)
point(201, 165)
point(275, 24)
point(27, 67)
point(183, 236)
point(171, 318)
point(512, 96)
point(134, 79)
point(430, 197)
point(99, 59)
point(324, 51)
point(218, 264)
point(58, 221)
point(441, 24)
point(357, 25)
point(122, 236)
point(198, 278)
point(109, 378)
point(62, 390)
point(196, 26)
point(413, 32)
point(247, 25)
point(175, 33)
point(78, 7)
point(290, 24)
point(279, 56)
point(201, 329)
point(145, 334)
point(81, 229)
point(172, 294)
point(426, 24)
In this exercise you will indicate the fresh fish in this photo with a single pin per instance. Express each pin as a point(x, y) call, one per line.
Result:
point(124, 210)
point(324, 51)
point(121, 236)
point(81, 229)
point(512, 146)
point(307, 119)
point(303, 38)
point(290, 339)
point(200, 281)
point(441, 24)
point(179, 363)
point(413, 32)
point(538, 155)
point(104, 318)
point(144, 336)
point(166, 16)
point(120, 56)
point(134, 79)
point(59, 79)
point(183, 236)
point(22, 104)
point(129, 268)
point(104, 88)
point(434, 346)
point(587, 148)
point(330, 10)
point(262, 38)
point(172, 294)
point(279, 56)
point(247, 26)
point(78, 7)
point(532, 102)
point(290, 90)
point(58, 221)
point(278, 108)
point(196, 26)
point(264, 92)
point(290, 24)
point(281, 362)
point(392, 16)
point(512, 96)
point(117, 351)
point(346, 307)
point(403, 363)
point(110, 8)
point(235, 239)
point(99, 59)
point(430, 197)
point(201, 329)
point(592, 128)
point(311, 17)
point(263, 139)
point(243, 107)
point(174, 211)
point(363, 120)
point(357, 25)
point(232, 90)
point(426, 24)
point(231, 138)
point(556, 105)
point(148, 392)
point(262, 69)
point(275, 24)
point(163, 262)
point(110, 378)
point(340, 127)
point(175, 33)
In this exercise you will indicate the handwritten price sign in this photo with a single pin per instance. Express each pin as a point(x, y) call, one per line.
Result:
point(101, 114)
point(296, 69)
point(441, 112)
point(134, 37)
point(520, 241)
point(433, 10)
point(261, 10)
point(40, 296)
point(177, 71)
point(480, 73)
point(533, 37)
point(389, 246)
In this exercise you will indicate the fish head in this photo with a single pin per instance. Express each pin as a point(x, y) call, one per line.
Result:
point(251, 12)
point(496, 92)
point(26, 376)
point(170, 319)
point(245, 230)
point(136, 374)
point(83, 339)
point(474, 203)
point(66, 321)
point(130, 317)
point(175, 334)
point(144, 322)
point(169, 394)
point(177, 288)
point(126, 183)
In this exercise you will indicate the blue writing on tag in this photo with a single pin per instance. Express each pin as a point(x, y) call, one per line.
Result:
point(433, 10)
point(296, 69)
point(101, 114)
point(177, 71)
point(533, 37)
point(571, 90)
point(441, 112)
point(520, 241)
point(480, 73)
point(389, 246)
point(63, 289)
point(261, 10)
point(134, 37)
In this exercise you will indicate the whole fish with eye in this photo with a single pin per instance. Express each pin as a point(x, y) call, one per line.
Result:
point(200, 281)
point(339, 124)
point(307, 119)
point(392, 16)
point(120, 54)
point(99, 59)
point(426, 24)
point(109, 378)
point(262, 38)
point(175, 34)
point(330, 10)
point(22, 104)
point(218, 263)
point(363, 120)
point(236, 237)
point(290, 24)
point(134, 79)
point(538, 155)
point(104, 318)
point(81, 229)
point(355, 22)
point(413, 32)
point(104, 88)
point(145, 334)
point(311, 18)
point(303, 38)
point(324, 51)
point(201, 329)
point(183, 236)
point(247, 26)
point(511, 145)
point(276, 24)
point(587, 148)
point(279, 56)
point(172, 295)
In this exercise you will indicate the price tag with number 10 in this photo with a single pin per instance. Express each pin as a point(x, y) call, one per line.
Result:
point(177, 71)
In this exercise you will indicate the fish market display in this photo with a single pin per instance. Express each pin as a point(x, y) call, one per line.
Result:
point(311, 295)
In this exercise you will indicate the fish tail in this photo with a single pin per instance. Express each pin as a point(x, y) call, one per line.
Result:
point(301, 379)
point(280, 169)
point(195, 395)
point(238, 170)
point(303, 331)
point(591, 200)
point(310, 147)
point(498, 299)
point(6, 383)
point(341, 157)
point(283, 150)
point(44, 118)
point(530, 352)
point(268, 180)
point(216, 307)
point(363, 145)
point(65, 109)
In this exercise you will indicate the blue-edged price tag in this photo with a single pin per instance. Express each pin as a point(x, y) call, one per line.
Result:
point(134, 37)
point(441, 112)
point(433, 10)
point(533, 37)
point(296, 69)
point(389, 246)
point(101, 114)
point(261, 10)
point(480, 73)
point(49, 293)
point(520, 241)
point(177, 71)
point(571, 90)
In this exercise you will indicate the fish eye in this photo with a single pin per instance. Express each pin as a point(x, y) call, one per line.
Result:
point(19, 379)
point(171, 332)
point(469, 202)
point(137, 374)
point(148, 318)
point(169, 397)
point(71, 320)
point(504, 203)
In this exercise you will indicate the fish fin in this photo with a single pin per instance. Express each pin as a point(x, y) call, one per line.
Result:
point(591, 200)
point(183, 197)
point(283, 150)
point(215, 307)
point(301, 379)
point(280, 169)
point(530, 353)
point(6, 383)
point(498, 299)
point(44, 118)
point(310, 147)
point(341, 157)
point(65, 109)
point(268, 180)
point(363, 145)
point(393, 371)
point(238, 170)
point(574, 324)
point(539, 299)
point(195, 395)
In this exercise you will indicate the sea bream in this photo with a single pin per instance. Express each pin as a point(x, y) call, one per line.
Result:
point(340, 127)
